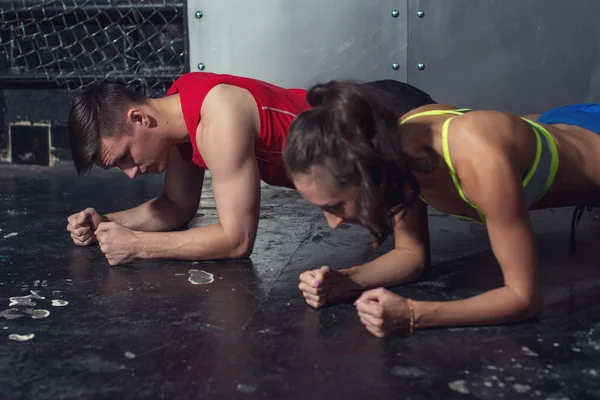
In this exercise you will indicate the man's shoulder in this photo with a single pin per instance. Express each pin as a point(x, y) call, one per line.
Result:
point(190, 79)
point(225, 97)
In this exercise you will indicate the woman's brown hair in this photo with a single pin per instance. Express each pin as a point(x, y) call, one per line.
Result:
point(352, 133)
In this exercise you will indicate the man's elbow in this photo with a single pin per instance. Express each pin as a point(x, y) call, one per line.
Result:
point(180, 215)
point(238, 241)
point(242, 247)
point(187, 215)
point(241, 251)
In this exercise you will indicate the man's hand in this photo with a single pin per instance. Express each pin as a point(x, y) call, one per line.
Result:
point(383, 312)
point(325, 286)
point(82, 226)
point(118, 243)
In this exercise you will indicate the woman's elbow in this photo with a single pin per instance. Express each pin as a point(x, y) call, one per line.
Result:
point(535, 307)
point(419, 266)
point(531, 306)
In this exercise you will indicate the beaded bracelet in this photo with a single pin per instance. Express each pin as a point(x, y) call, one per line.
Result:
point(412, 316)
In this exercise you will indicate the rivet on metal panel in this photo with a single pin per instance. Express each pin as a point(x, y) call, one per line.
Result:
point(420, 66)
point(198, 14)
point(395, 66)
point(420, 13)
point(395, 13)
point(201, 66)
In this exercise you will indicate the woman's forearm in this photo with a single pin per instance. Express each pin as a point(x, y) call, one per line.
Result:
point(498, 306)
point(393, 268)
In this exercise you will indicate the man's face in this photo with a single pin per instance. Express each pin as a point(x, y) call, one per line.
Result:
point(142, 151)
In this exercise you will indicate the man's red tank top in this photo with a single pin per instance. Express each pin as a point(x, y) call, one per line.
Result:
point(277, 108)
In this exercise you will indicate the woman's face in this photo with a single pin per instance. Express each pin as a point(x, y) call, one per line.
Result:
point(338, 205)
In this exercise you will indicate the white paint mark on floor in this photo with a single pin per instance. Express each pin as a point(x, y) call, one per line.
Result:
point(179, 274)
point(243, 388)
point(36, 283)
point(529, 352)
point(21, 301)
point(520, 388)
point(11, 235)
point(38, 314)
point(576, 349)
point(59, 303)
point(11, 313)
point(459, 386)
point(129, 355)
point(409, 372)
point(21, 338)
point(556, 345)
point(198, 277)
point(25, 300)
point(36, 295)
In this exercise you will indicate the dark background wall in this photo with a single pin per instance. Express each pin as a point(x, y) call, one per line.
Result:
point(517, 56)
point(50, 51)
point(49, 105)
point(522, 57)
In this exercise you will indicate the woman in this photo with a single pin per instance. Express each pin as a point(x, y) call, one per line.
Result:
point(350, 156)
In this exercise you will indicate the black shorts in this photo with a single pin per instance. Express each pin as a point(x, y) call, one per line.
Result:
point(405, 97)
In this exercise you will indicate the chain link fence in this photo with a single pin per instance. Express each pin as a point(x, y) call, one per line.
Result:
point(76, 43)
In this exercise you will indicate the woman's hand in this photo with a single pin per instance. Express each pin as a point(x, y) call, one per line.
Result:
point(383, 312)
point(326, 286)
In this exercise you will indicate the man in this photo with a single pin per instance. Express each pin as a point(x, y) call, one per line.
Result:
point(235, 127)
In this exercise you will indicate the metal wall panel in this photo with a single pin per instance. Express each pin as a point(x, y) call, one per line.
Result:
point(296, 43)
point(518, 56)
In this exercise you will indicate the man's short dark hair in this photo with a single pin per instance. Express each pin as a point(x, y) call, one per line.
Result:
point(98, 112)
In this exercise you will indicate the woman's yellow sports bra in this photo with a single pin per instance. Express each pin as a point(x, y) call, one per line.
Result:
point(538, 180)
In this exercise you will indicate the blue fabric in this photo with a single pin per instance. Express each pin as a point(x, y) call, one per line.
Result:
point(584, 115)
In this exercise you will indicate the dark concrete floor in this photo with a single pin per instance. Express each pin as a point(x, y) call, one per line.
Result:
point(144, 331)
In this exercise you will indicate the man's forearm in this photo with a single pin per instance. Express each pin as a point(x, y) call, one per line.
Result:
point(393, 268)
point(498, 306)
point(202, 243)
point(156, 215)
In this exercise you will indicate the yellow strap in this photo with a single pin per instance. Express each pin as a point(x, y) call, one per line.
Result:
point(538, 129)
point(434, 112)
point(446, 152)
point(448, 159)
point(554, 152)
point(538, 155)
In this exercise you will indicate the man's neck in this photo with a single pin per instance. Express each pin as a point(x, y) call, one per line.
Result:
point(171, 117)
